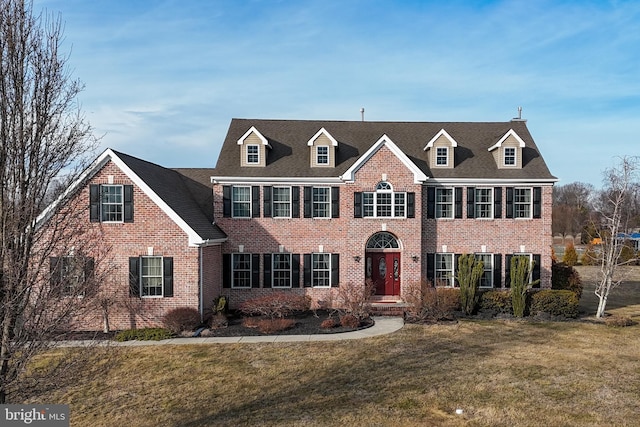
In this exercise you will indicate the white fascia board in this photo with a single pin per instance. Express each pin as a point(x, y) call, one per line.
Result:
point(418, 175)
point(275, 180)
point(327, 134)
point(511, 132)
point(258, 134)
point(444, 133)
point(471, 182)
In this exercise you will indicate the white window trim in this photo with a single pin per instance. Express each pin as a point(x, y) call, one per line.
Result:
point(233, 269)
point(490, 255)
point(142, 277)
point(530, 216)
point(314, 270)
point(102, 203)
point(233, 201)
point(452, 272)
point(504, 156)
point(477, 203)
point(273, 270)
point(328, 203)
point(318, 155)
point(273, 202)
point(452, 203)
point(393, 205)
point(446, 157)
point(257, 154)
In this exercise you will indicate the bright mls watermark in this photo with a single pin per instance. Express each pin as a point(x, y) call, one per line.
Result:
point(34, 415)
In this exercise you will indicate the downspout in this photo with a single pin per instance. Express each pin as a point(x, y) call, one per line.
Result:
point(201, 285)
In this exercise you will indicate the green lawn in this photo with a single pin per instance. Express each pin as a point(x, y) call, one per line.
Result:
point(500, 373)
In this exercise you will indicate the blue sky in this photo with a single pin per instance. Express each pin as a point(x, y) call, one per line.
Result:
point(164, 78)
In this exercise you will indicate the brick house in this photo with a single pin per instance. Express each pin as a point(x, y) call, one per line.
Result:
point(308, 207)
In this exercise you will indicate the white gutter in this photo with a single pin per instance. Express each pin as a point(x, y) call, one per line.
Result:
point(291, 180)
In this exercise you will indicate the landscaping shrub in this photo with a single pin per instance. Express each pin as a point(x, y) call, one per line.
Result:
point(521, 268)
point(428, 303)
point(618, 321)
point(146, 334)
point(269, 326)
point(499, 302)
point(354, 300)
point(564, 277)
point(590, 256)
point(555, 302)
point(349, 321)
point(275, 305)
point(329, 323)
point(470, 270)
point(181, 319)
point(570, 256)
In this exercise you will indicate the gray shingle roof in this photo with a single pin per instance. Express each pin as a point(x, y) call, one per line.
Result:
point(289, 155)
point(188, 192)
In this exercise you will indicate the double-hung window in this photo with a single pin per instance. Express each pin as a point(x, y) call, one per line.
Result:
point(522, 203)
point(151, 276)
point(322, 155)
point(112, 203)
point(241, 201)
point(321, 202)
point(253, 154)
point(321, 270)
point(484, 203)
point(444, 202)
point(281, 202)
point(70, 275)
point(281, 269)
point(384, 202)
point(442, 156)
point(444, 270)
point(241, 270)
point(486, 280)
point(509, 156)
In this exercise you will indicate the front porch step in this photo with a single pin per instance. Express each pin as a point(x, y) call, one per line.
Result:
point(388, 308)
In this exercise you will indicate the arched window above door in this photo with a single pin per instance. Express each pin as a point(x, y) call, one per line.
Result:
point(383, 240)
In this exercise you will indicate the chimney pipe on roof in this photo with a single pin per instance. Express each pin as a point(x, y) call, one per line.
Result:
point(519, 113)
point(362, 113)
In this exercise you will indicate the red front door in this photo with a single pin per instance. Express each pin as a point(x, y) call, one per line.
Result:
point(384, 270)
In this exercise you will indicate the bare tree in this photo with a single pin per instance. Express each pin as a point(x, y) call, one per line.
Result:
point(615, 209)
point(44, 140)
point(571, 207)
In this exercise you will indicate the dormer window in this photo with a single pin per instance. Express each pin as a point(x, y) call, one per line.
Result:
point(322, 155)
point(253, 154)
point(442, 156)
point(509, 156)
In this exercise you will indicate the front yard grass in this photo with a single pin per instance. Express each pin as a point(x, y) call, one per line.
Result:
point(499, 373)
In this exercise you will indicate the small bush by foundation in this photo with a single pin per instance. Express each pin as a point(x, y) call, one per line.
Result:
point(181, 319)
point(618, 321)
point(146, 334)
point(497, 302)
point(555, 302)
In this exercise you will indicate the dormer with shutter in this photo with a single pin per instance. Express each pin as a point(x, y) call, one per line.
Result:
point(253, 148)
point(441, 150)
point(507, 152)
point(322, 149)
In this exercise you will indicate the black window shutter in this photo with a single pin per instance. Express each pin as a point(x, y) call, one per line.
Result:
point(266, 191)
point(226, 270)
point(497, 202)
point(128, 203)
point(335, 202)
point(458, 201)
point(134, 276)
point(255, 201)
point(357, 205)
point(509, 202)
point(226, 201)
point(167, 270)
point(295, 270)
point(456, 260)
point(335, 270)
point(431, 268)
point(535, 273)
point(411, 205)
point(295, 202)
point(94, 203)
point(471, 205)
point(255, 270)
point(507, 270)
point(267, 270)
point(307, 195)
point(89, 274)
point(55, 275)
point(431, 202)
point(497, 270)
point(306, 274)
point(537, 202)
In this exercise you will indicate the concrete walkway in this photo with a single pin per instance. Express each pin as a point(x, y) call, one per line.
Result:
point(382, 326)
